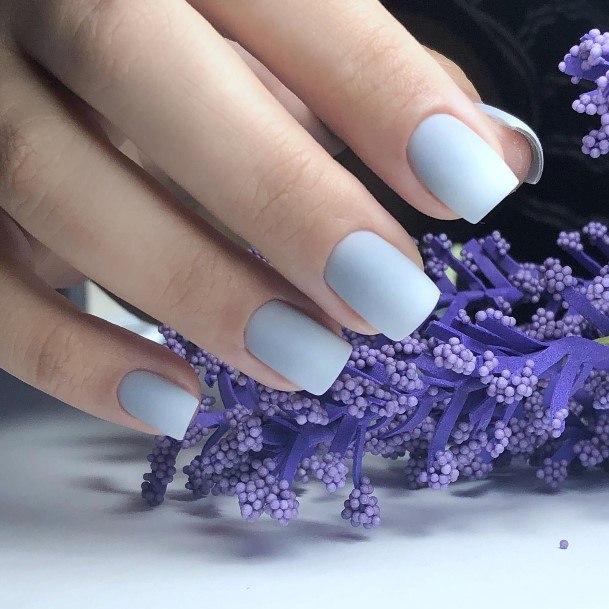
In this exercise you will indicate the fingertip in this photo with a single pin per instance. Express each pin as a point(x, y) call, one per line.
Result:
point(522, 148)
point(296, 346)
point(517, 151)
point(158, 402)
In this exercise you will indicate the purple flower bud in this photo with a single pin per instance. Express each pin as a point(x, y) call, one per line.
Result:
point(589, 61)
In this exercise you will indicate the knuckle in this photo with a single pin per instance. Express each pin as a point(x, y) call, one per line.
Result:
point(54, 356)
point(108, 37)
point(20, 157)
point(286, 189)
point(29, 170)
point(189, 289)
point(207, 297)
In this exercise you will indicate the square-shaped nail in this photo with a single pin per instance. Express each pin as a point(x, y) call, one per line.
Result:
point(459, 167)
point(158, 402)
point(381, 284)
point(297, 347)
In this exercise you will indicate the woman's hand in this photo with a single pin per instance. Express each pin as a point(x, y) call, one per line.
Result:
point(77, 77)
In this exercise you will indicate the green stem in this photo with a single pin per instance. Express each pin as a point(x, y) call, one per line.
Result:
point(604, 340)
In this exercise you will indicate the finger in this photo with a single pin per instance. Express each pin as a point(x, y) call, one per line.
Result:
point(522, 148)
point(229, 143)
point(458, 76)
point(84, 361)
point(102, 214)
point(291, 102)
point(47, 265)
point(370, 81)
point(288, 100)
point(54, 271)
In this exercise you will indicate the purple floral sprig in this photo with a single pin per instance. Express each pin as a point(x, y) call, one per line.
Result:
point(512, 365)
point(589, 61)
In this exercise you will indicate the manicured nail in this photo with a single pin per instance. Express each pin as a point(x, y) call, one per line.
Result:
point(300, 349)
point(511, 122)
point(459, 167)
point(381, 284)
point(157, 402)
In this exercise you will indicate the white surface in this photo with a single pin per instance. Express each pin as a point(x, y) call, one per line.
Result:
point(75, 534)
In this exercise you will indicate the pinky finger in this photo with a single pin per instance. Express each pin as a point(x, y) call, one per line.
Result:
point(92, 365)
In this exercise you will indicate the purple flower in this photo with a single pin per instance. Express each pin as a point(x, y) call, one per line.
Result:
point(589, 61)
point(511, 366)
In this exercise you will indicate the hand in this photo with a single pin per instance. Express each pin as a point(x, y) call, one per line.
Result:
point(79, 77)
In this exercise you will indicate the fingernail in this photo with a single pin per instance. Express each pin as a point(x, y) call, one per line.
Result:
point(381, 284)
point(295, 346)
point(157, 402)
point(459, 167)
point(511, 122)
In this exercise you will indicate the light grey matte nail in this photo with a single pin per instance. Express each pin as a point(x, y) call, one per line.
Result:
point(379, 282)
point(511, 122)
point(459, 167)
point(157, 402)
point(299, 348)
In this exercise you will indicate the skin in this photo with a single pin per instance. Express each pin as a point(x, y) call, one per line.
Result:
point(140, 144)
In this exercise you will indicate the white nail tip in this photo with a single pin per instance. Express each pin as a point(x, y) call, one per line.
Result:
point(511, 122)
point(157, 402)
